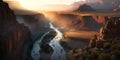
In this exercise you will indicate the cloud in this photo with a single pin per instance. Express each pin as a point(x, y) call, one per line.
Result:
point(38, 6)
point(44, 5)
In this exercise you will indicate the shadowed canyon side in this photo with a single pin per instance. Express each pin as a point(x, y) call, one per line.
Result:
point(37, 23)
point(15, 38)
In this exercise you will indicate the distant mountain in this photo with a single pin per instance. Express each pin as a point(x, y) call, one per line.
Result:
point(117, 9)
point(84, 7)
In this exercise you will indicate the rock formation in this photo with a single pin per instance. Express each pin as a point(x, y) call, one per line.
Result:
point(104, 46)
point(111, 29)
point(15, 38)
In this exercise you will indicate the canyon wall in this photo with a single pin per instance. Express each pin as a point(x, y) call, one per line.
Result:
point(14, 37)
point(104, 46)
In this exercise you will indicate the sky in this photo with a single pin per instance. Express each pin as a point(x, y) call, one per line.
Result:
point(45, 5)
point(58, 5)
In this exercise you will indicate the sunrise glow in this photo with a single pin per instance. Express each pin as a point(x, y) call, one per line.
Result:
point(45, 4)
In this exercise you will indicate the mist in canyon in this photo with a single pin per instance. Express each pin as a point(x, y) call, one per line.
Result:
point(55, 31)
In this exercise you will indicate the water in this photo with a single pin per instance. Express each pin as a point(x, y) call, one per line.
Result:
point(36, 48)
point(58, 51)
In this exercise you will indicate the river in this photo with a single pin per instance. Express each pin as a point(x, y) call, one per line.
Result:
point(58, 51)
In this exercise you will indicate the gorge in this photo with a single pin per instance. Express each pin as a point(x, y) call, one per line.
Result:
point(77, 35)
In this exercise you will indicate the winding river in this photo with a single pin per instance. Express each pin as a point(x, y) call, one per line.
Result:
point(58, 51)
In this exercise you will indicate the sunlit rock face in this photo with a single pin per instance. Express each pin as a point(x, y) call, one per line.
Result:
point(14, 37)
point(100, 46)
point(100, 19)
point(111, 29)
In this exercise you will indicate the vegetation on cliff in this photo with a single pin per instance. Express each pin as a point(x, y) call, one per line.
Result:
point(106, 46)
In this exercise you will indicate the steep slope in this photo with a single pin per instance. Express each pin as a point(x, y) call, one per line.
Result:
point(105, 46)
point(15, 38)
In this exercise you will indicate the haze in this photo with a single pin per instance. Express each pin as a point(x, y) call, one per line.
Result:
point(45, 5)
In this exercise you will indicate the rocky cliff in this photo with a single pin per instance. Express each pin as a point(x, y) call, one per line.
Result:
point(105, 46)
point(14, 37)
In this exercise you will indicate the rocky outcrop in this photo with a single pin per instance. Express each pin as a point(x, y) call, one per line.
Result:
point(111, 29)
point(100, 19)
point(15, 38)
point(104, 46)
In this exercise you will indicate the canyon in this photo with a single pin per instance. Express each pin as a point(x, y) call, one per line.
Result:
point(20, 35)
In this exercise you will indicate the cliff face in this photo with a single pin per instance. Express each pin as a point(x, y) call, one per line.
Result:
point(104, 46)
point(92, 23)
point(111, 29)
point(14, 37)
